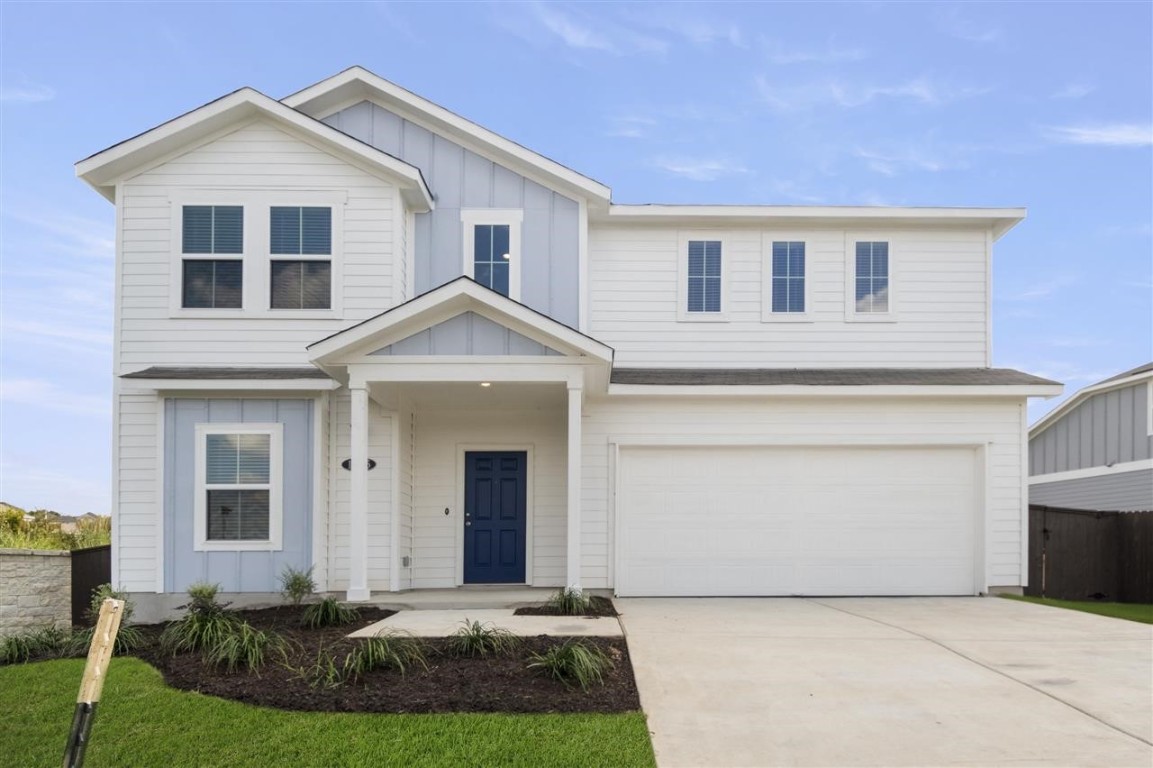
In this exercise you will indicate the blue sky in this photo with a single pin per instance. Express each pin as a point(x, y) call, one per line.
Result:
point(1043, 105)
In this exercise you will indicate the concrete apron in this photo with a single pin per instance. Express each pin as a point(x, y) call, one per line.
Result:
point(442, 623)
point(889, 682)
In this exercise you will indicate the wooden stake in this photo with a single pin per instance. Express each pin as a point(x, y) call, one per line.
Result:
point(92, 684)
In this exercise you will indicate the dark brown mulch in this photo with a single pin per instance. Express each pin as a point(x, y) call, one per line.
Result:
point(599, 606)
point(449, 684)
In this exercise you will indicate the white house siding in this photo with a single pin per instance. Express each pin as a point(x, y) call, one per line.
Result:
point(404, 527)
point(813, 420)
point(940, 299)
point(138, 511)
point(259, 158)
point(437, 486)
point(379, 494)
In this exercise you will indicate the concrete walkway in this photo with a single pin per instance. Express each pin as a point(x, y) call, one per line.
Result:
point(890, 682)
point(442, 623)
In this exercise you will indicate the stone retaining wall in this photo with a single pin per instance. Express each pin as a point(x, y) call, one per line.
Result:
point(35, 590)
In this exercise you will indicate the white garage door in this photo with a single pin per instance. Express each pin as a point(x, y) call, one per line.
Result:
point(796, 521)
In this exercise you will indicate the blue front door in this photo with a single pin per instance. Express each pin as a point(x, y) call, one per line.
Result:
point(494, 516)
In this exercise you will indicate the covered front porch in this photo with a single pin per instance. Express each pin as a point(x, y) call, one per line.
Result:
point(456, 446)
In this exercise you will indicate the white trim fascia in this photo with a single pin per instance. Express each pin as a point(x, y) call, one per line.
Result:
point(904, 390)
point(358, 84)
point(583, 288)
point(409, 254)
point(775, 441)
point(767, 313)
point(421, 369)
point(461, 295)
point(262, 386)
point(529, 498)
point(320, 506)
point(1084, 474)
point(983, 534)
point(891, 315)
point(161, 496)
point(399, 249)
point(118, 291)
point(1081, 395)
point(684, 237)
point(989, 299)
point(275, 541)
point(105, 168)
point(999, 220)
point(513, 218)
point(1023, 472)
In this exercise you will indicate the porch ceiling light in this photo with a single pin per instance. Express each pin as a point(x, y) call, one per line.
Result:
point(486, 383)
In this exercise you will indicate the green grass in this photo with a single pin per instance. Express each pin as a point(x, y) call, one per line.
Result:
point(142, 722)
point(1142, 612)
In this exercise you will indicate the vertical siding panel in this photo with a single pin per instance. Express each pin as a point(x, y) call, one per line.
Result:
point(1100, 424)
point(1061, 458)
point(478, 183)
point(447, 175)
point(536, 236)
point(565, 262)
point(1126, 436)
point(1112, 427)
point(422, 253)
point(451, 336)
point(1143, 445)
point(386, 129)
point(447, 243)
point(507, 188)
point(356, 121)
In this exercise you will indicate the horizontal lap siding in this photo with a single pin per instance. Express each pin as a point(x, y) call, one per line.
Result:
point(138, 511)
point(836, 421)
point(437, 485)
point(940, 289)
point(260, 158)
point(1121, 491)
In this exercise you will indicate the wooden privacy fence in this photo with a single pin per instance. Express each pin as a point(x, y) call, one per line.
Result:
point(90, 568)
point(1077, 554)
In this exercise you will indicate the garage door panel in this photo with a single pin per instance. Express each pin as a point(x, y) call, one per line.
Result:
point(783, 521)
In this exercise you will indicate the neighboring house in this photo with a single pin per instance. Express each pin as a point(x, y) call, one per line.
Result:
point(1095, 450)
point(359, 333)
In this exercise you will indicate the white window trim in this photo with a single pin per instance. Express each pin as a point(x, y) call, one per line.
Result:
point(767, 313)
point(683, 313)
point(257, 256)
point(470, 218)
point(275, 540)
point(851, 313)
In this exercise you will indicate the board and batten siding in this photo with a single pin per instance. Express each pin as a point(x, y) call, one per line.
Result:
point(461, 179)
point(239, 571)
point(1123, 491)
point(466, 334)
point(940, 290)
point(257, 158)
point(820, 421)
point(1107, 428)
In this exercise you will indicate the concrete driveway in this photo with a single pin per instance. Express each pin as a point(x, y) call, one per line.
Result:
point(889, 682)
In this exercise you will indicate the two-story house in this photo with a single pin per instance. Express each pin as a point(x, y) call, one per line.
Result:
point(358, 333)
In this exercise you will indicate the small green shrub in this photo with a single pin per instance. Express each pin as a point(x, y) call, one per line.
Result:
point(384, 651)
point(128, 638)
point(328, 613)
point(205, 625)
point(324, 671)
point(477, 639)
point(573, 662)
point(247, 647)
point(295, 585)
point(570, 602)
point(35, 644)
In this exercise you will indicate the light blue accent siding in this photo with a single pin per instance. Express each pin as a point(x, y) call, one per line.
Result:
point(1105, 429)
point(234, 571)
point(1126, 491)
point(467, 334)
point(458, 178)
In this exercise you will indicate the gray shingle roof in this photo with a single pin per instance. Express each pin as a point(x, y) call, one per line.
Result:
point(263, 374)
point(1139, 369)
point(825, 377)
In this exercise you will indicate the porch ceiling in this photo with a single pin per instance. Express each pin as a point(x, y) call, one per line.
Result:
point(469, 395)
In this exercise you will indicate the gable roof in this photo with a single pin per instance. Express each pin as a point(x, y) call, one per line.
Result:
point(453, 298)
point(1136, 375)
point(103, 169)
point(357, 84)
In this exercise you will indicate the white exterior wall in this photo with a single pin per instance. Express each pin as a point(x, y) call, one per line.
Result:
point(253, 160)
point(940, 294)
point(438, 484)
point(815, 420)
point(138, 512)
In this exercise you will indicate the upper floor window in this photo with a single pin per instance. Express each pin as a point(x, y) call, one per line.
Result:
point(492, 249)
point(872, 277)
point(788, 277)
point(238, 493)
point(704, 276)
point(209, 231)
point(304, 282)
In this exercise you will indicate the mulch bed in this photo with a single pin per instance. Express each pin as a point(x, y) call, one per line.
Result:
point(449, 684)
point(599, 606)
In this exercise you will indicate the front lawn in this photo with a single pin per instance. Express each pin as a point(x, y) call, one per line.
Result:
point(143, 722)
point(1142, 612)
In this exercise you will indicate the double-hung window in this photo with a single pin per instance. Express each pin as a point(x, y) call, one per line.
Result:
point(492, 249)
point(305, 280)
point(704, 277)
point(871, 279)
point(238, 486)
point(207, 280)
point(787, 266)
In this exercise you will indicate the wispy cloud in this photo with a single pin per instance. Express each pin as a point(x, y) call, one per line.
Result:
point(911, 158)
point(1040, 290)
point(26, 93)
point(1075, 90)
point(1077, 342)
point(582, 32)
point(847, 95)
point(700, 168)
point(1103, 134)
point(630, 126)
point(953, 23)
point(695, 30)
point(47, 395)
point(831, 53)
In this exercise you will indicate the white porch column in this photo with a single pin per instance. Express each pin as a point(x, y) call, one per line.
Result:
point(358, 501)
point(573, 555)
